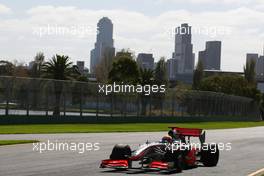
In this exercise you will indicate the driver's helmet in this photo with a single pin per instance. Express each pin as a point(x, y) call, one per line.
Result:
point(174, 134)
point(166, 139)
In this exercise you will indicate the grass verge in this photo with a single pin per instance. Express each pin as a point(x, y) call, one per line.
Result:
point(127, 127)
point(13, 142)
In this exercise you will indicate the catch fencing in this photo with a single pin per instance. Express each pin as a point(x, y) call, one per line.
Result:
point(30, 97)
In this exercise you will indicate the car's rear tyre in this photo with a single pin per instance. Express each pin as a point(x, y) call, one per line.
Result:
point(210, 155)
point(120, 151)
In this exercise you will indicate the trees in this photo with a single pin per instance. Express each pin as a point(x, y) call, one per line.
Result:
point(230, 84)
point(249, 71)
point(21, 71)
point(160, 78)
point(35, 71)
point(160, 73)
point(198, 75)
point(103, 68)
point(6, 68)
point(59, 68)
point(13, 69)
point(124, 70)
point(146, 78)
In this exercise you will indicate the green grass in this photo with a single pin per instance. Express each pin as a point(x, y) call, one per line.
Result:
point(129, 127)
point(13, 142)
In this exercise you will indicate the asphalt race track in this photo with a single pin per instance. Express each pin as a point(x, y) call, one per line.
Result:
point(246, 156)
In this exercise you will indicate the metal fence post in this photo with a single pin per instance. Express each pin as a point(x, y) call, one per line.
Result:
point(97, 104)
point(138, 106)
point(150, 104)
point(125, 106)
point(81, 101)
point(172, 104)
point(47, 101)
point(8, 89)
point(111, 105)
point(27, 102)
point(64, 104)
point(161, 107)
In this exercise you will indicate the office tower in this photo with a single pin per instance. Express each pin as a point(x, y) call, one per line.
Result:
point(211, 56)
point(259, 64)
point(260, 67)
point(184, 49)
point(80, 65)
point(172, 68)
point(252, 56)
point(202, 57)
point(145, 61)
point(104, 45)
point(180, 67)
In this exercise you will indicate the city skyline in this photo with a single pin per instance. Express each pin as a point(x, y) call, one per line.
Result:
point(143, 31)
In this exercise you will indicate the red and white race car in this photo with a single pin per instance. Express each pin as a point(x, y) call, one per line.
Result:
point(174, 152)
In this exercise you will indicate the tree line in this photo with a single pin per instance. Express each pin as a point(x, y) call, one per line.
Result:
point(233, 84)
point(122, 68)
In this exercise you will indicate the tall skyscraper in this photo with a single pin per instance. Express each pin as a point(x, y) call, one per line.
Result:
point(259, 64)
point(180, 67)
point(145, 61)
point(184, 49)
point(104, 46)
point(80, 65)
point(211, 56)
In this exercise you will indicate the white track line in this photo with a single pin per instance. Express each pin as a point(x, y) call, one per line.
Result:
point(257, 173)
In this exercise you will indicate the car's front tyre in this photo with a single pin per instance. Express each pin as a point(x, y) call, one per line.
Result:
point(121, 152)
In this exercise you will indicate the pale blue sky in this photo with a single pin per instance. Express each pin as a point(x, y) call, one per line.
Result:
point(141, 25)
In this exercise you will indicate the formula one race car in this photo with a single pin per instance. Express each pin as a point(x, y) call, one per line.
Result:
point(173, 153)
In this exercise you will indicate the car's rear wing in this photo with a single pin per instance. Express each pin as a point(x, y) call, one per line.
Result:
point(195, 132)
point(191, 132)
